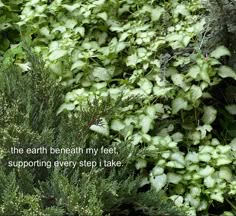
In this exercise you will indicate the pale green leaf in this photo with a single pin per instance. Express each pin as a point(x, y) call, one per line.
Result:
point(117, 125)
point(156, 13)
point(175, 164)
point(132, 60)
point(78, 65)
point(209, 115)
point(219, 52)
point(204, 172)
point(71, 8)
point(101, 74)
point(194, 93)
point(80, 30)
point(161, 91)
point(178, 104)
point(178, 79)
point(1, 4)
point(231, 109)
point(158, 182)
point(217, 196)
point(71, 23)
point(69, 107)
point(233, 144)
point(209, 181)
point(101, 129)
point(120, 46)
point(174, 178)
point(181, 9)
point(225, 173)
point(194, 71)
point(223, 160)
point(204, 157)
point(146, 85)
point(146, 123)
point(225, 71)
point(56, 54)
point(141, 163)
point(103, 15)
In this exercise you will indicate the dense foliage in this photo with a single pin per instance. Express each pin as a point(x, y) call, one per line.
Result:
point(181, 130)
point(29, 104)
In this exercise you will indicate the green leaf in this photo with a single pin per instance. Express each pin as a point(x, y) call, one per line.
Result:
point(225, 71)
point(161, 91)
point(158, 182)
point(225, 173)
point(219, 52)
point(146, 85)
point(101, 129)
point(156, 13)
point(146, 123)
point(178, 79)
point(69, 107)
point(78, 65)
point(209, 182)
point(101, 74)
point(174, 178)
point(117, 125)
point(231, 109)
point(217, 196)
point(71, 8)
point(207, 171)
point(56, 54)
point(194, 71)
point(181, 9)
point(103, 15)
point(132, 60)
point(178, 104)
point(209, 115)
point(141, 163)
point(223, 160)
point(195, 92)
point(1, 4)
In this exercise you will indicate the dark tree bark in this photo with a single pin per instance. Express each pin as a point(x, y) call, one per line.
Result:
point(222, 28)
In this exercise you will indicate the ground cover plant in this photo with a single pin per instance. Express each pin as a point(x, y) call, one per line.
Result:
point(181, 130)
point(29, 119)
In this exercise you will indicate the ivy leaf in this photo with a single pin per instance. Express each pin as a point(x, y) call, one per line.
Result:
point(219, 52)
point(178, 104)
point(225, 71)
